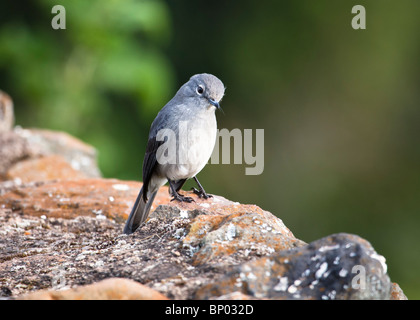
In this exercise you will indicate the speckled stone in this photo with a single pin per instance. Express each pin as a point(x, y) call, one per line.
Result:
point(340, 266)
point(60, 235)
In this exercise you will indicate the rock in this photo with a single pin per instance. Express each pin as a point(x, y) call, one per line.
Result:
point(40, 148)
point(59, 235)
point(340, 266)
point(236, 295)
point(29, 144)
point(397, 293)
point(220, 230)
point(80, 156)
point(14, 148)
point(7, 118)
point(51, 167)
point(73, 198)
point(109, 289)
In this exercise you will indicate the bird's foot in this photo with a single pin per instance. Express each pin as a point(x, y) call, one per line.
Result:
point(201, 193)
point(181, 198)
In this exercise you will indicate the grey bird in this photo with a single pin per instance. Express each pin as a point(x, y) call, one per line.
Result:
point(181, 140)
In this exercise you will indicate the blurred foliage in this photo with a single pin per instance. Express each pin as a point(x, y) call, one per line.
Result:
point(340, 107)
point(91, 79)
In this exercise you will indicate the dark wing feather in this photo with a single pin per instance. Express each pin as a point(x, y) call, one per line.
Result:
point(149, 163)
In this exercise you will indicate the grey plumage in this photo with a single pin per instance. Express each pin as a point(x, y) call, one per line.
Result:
point(190, 116)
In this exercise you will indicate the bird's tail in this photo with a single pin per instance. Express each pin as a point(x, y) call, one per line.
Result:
point(139, 213)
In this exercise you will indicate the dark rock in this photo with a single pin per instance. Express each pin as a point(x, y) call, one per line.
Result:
point(340, 266)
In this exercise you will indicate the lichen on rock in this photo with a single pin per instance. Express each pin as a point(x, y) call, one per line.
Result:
point(184, 250)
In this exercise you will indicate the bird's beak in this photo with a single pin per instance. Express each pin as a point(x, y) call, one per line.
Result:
point(215, 103)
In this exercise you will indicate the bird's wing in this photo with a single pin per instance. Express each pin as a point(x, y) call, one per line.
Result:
point(149, 163)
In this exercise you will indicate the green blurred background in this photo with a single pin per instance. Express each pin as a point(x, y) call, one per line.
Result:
point(340, 107)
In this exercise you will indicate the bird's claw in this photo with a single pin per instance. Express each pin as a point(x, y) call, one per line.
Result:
point(182, 198)
point(201, 193)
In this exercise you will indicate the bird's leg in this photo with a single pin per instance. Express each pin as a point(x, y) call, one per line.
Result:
point(177, 196)
point(201, 193)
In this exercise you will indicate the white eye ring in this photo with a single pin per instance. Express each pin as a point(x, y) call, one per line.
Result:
point(200, 90)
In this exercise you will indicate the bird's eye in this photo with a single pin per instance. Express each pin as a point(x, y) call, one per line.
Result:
point(200, 89)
